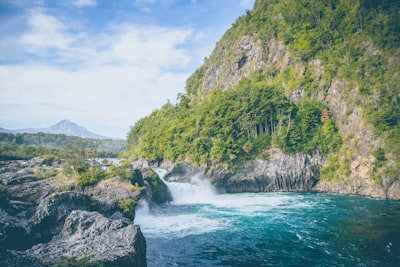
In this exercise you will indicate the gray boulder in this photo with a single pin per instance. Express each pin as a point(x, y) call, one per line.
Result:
point(41, 226)
point(90, 235)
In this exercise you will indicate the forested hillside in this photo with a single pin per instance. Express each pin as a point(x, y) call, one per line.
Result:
point(26, 146)
point(320, 76)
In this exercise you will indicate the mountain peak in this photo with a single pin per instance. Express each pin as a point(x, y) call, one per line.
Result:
point(65, 126)
point(68, 127)
point(66, 122)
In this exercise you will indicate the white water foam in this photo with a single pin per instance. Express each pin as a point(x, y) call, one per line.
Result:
point(197, 209)
point(197, 191)
point(178, 225)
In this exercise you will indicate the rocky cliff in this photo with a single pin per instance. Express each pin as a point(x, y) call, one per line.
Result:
point(251, 47)
point(283, 173)
point(280, 173)
point(356, 154)
point(246, 114)
point(45, 223)
point(355, 174)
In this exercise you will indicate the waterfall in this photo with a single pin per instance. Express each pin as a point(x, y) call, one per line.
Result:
point(197, 191)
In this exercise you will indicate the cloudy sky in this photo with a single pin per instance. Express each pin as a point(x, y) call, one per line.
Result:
point(100, 63)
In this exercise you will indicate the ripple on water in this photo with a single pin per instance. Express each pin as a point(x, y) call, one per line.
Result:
point(274, 230)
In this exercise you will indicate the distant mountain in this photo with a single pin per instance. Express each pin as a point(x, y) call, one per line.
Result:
point(63, 127)
point(2, 130)
point(70, 128)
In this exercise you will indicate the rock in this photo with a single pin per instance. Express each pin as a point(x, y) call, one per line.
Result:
point(182, 173)
point(12, 258)
point(156, 190)
point(52, 211)
point(359, 185)
point(92, 236)
point(281, 172)
point(393, 191)
point(31, 192)
point(247, 57)
point(14, 232)
point(109, 192)
point(35, 219)
point(17, 172)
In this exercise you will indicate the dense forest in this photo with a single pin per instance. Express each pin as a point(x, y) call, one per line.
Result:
point(234, 125)
point(26, 146)
point(357, 42)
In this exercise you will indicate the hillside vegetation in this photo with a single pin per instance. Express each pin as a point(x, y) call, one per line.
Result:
point(27, 146)
point(299, 75)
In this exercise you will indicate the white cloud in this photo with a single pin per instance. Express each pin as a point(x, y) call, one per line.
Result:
point(45, 32)
point(84, 3)
point(125, 43)
point(114, 96)
point(149, 46)
point(116, 78)
point(104, 76)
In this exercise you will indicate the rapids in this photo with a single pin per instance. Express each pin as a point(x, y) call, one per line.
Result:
point(201, 228)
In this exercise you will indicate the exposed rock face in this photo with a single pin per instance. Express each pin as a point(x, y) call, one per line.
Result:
point(113, 242)
point(52, 211)
point(181, 173)
point(237, 57)
point(38, 223)
point(359, 182)
point(156, 191)
point(286, 173)
point(247, 57)
point(108, 193)
point(280, 173)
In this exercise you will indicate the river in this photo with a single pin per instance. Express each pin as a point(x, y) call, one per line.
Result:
point(201, 228)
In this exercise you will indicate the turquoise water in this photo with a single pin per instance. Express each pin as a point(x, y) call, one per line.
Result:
point(272, 229)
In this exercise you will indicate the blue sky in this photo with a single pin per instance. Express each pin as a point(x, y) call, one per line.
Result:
point(100, 63)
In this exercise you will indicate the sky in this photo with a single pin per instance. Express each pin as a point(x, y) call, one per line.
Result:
point(100, 63)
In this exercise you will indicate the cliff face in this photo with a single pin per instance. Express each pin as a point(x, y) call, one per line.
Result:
point(360, 141)
point(357, 170)
point(42, 224)
point(280, 173)
point(284, 173)
point(327, 74)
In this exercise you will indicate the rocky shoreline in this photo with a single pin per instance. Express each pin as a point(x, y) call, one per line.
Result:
point(43, 223)
point(284, 173)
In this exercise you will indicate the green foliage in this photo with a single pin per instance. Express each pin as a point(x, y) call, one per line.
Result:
point(90, 175)
point(27, 146)
point(214, 130)
point(125, 171)
point(12, 152)
point(127, 207)
point(355, 41)
point(44, 172)
point(379, 155)
point(73, 262)
point(156, 184)
point(328, 138)
point(231, 126)
point(77, 165)
point(329, 171)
